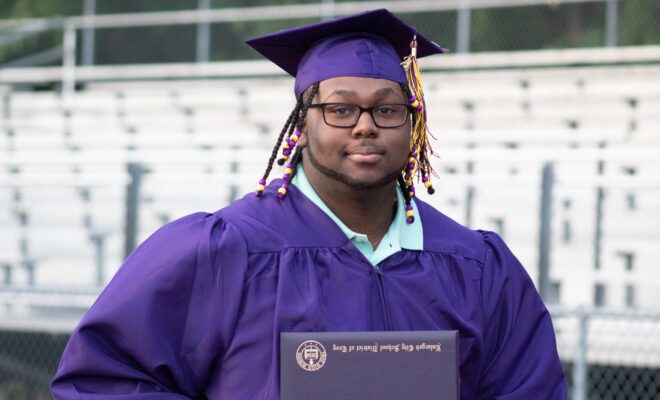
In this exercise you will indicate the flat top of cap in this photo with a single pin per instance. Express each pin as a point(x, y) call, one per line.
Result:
point(287, 47)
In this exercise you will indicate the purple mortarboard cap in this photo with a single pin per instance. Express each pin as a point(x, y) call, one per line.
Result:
point(370, 44)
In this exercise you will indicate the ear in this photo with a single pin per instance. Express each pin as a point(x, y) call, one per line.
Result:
point(302, 141)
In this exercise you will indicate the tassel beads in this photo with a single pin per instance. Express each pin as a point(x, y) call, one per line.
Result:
point(420, 147)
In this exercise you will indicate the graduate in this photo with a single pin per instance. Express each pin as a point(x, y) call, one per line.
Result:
point(339, 243)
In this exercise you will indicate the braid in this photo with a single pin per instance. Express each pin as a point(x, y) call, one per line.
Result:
point(406, 90)
point(290, 122)
point(292, 140)
point(420, 147)
point(286, 150)
point(303, 113)
point(404, 190)
point(297, 156)
point(298, 123)
point(295, 160)
point(407, 193)
point(405, 179)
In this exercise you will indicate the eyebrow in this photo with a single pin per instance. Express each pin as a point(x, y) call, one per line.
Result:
point(382, 92)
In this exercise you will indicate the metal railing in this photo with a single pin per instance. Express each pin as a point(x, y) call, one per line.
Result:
point(202, 17)
point(582, 341)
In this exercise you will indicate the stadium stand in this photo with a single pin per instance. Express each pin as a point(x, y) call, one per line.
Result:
point(206, 132)
point(66, 185)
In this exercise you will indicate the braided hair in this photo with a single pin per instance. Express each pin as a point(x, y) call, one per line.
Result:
point(289, 134)
point(418, 160)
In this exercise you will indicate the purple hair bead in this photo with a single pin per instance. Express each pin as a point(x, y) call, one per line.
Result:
point(410, 220)
point(262, 181)
point(286, 152)
point(412, 99)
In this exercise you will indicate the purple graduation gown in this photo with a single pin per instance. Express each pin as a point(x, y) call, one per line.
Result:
point(196, 310)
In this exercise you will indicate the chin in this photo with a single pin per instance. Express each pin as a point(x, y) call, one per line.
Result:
point(367, 181)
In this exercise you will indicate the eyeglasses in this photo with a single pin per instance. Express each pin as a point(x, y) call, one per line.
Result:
point(341, 115)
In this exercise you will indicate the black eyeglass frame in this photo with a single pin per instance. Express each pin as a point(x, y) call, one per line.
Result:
point(322, 106)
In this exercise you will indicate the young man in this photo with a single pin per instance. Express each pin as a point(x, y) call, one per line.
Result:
point(339, 244)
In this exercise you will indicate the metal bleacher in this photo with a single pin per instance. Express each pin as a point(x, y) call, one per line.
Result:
point(202, 143)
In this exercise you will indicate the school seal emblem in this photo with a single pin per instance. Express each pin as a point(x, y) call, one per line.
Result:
point(311, 355)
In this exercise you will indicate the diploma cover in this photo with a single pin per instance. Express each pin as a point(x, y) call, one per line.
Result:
point(411, 365)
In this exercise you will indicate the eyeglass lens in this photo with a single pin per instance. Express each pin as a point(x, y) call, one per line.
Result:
point(347, 115)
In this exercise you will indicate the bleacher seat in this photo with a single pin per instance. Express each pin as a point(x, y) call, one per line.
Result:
point(204, 143)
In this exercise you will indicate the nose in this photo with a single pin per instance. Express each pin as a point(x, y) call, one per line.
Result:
point(365, 127)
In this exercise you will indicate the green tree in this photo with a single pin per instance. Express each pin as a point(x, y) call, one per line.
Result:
point(638, 22)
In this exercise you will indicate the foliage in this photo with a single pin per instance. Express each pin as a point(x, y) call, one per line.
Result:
point(38, 8)
point(639, 22)
point(556, 25)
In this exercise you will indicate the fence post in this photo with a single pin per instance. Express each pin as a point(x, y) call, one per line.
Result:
point(545, 229)
point(98, 239)
point(69, 61)
point(580, 362)
point(611, 22)
point(89, 34)
point(463, 27)
point(598, 228)
point(203, 34)
point(136, 171)
point(469, 195)
point(6, 267)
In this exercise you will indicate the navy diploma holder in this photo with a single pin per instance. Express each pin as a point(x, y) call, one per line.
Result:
point(411, 365)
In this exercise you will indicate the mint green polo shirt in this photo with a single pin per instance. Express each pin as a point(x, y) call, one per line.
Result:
point(400, 235)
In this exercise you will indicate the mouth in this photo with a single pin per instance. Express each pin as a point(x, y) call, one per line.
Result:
point(365, 155)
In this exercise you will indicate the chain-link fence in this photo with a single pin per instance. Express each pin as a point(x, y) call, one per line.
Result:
point(28, 361)
point(606, 355)
point(480, 26)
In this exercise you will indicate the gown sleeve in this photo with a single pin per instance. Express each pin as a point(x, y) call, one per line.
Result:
point(521, 359)
point(162, 323)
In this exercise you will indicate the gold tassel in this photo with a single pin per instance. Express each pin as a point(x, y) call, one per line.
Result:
point(420, 147)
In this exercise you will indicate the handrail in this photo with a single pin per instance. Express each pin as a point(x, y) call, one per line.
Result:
point(68, 75)
point(533, 155)
point(261, 69)
point(318, 10)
